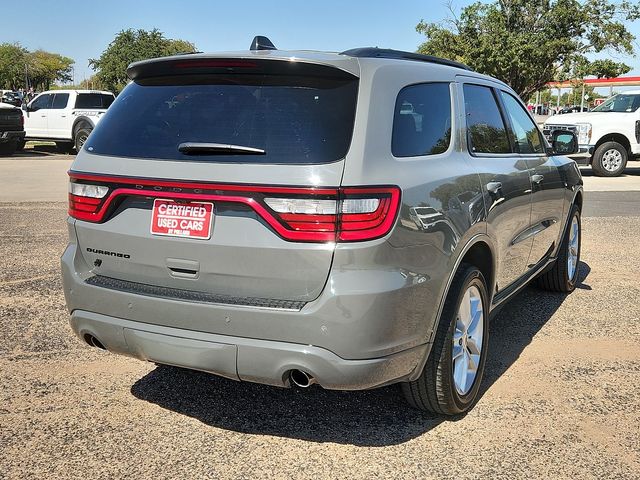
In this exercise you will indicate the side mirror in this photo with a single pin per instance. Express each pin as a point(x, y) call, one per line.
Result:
point(24, 107)
point(564, 142)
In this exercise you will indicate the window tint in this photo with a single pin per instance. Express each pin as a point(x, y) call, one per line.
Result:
point(60, 101)
point(43, 101)
point(422, 120)
point(527, 136)
point(486, 130)
point(294, 119)
point(94, 100)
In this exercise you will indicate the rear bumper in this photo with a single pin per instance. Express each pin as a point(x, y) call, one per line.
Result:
point(237, 358)
point(350, 338)
point(11, 136)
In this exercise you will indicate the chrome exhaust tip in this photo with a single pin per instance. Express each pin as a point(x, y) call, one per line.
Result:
point(301, 379)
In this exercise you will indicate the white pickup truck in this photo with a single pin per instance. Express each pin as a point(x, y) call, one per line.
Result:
point(608, 136)
point(66, 117)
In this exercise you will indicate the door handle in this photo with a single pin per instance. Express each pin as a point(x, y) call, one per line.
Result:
point(494, 187)
point(537, 178)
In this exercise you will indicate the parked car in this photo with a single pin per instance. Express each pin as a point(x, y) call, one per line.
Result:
point(12, 98)
point(608, 136)
point(66, 117)
point(11, 128)
point(573, 109)
point(293, 217)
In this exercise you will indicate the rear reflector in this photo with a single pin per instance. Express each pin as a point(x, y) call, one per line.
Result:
point(298, 214)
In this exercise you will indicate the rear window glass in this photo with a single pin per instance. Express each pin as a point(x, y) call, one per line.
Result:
point(422, 120)
point(293, 119)
point(60, 101)
point(94, 100)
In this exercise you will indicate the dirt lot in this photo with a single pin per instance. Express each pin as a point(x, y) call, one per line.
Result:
point(561, 398)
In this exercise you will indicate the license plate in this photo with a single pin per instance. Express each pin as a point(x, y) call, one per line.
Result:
point(190, 219)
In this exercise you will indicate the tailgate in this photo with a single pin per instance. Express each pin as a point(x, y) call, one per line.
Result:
point(247, 208)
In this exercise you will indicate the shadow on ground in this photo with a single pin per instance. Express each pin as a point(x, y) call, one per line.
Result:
point(629, 171)
point(40, 151)
point(370, 418)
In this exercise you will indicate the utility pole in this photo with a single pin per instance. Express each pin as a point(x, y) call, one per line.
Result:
point(26, 77)
point(582, 98)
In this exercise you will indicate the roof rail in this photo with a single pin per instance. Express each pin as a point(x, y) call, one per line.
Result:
point(375, 52)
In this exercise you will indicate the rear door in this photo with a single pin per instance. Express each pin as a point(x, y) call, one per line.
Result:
point(225, 177)
point(505, 181)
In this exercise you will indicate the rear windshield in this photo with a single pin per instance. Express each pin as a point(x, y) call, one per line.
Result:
point(290, 119)
point(94, 100)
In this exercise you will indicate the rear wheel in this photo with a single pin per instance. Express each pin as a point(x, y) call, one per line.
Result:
point(81, 135)
point(609, 159)
point(20, 145)
point(451, 378)
point(563, 276)
point(8, 148)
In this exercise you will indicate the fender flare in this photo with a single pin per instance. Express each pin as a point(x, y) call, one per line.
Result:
point(480, 237)
point(78, 121)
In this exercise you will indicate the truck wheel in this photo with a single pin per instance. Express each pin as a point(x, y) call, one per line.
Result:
point(609, 159)
point(20, 145)
point(563, 276)
point(451, 378)
point(81, 136)
point(64, 147)
point(8, 148)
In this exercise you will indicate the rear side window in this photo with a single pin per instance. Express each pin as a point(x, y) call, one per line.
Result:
point(292, 119)
point(94, 100)
point(60, 101)
point(485, 127)
point(422, 120)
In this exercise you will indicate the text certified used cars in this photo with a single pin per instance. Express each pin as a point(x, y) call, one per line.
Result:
point(291, 218)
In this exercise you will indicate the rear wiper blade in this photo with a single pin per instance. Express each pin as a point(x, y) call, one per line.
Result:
point(198, 148)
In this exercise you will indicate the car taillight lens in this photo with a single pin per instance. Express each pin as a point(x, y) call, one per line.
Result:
point(356, 214)
point(85, 199)
point(298, 214)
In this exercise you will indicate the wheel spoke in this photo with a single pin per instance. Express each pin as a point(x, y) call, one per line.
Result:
point(464, 312)
point(473, 347)
point(457, 351)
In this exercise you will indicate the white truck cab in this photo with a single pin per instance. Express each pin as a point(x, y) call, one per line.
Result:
point(608, 136)
point(66, 117)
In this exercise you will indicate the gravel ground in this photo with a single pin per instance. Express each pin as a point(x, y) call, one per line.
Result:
point(561, 395)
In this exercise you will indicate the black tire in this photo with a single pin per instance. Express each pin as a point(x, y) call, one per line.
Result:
point(8, 148)
point(20, 145)
point(557, 278)
point(601, 163)
point(64, 147)
point(435, 390)
point(80, 136)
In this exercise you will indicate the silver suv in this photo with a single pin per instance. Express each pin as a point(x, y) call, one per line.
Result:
point(290, 218)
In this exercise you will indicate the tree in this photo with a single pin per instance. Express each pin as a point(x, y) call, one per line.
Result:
point(527, 43)
point(44, 68)
point(131, 46)
point(12, 62)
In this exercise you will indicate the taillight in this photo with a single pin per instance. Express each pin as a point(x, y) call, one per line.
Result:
point(85, 200)
point(298, 214)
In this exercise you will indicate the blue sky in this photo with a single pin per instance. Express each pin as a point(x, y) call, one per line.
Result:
point(81, 30)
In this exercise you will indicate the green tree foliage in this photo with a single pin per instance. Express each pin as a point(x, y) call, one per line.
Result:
point(42, 68)
point(131, 46)
point(527, 43)
point(12, 61)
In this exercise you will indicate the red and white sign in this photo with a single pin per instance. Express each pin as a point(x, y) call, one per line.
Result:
point(191, 220)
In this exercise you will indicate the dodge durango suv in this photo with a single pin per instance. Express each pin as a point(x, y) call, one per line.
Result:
point(290, 217)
